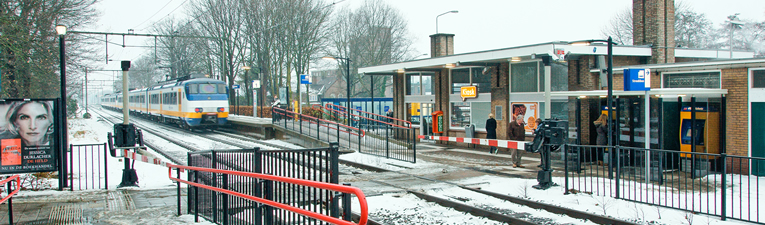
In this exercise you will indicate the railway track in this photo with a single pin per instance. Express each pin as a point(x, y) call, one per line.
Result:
point(387, 178)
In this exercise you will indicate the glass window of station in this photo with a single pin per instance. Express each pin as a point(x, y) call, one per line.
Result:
point(527, 87)
point(420, 97)
point(472, 111)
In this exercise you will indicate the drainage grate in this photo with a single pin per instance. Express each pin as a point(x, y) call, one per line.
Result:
point(66, 214)
point(120, 200)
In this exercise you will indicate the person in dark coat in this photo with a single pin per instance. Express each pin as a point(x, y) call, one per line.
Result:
point(516, 132)
point(601, 126)
point(491, 132)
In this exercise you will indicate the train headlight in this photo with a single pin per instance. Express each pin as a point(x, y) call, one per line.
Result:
point(198, 110)
point(221, 109)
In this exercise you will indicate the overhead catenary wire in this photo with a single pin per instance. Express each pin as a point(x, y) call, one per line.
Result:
point(147, 19)
point(168, 14)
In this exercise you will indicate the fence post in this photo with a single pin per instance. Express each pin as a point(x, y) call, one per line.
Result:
point(337, 126)
point(269, 195)
point(258, 188)
point(724, 156)
point(196, 197)
point(106, 171)
point(178, 184)
point(300, 119)
point(414, 143)
point(318, 129)
point(334, 178)
point(188, 177)
point(71, 170)
point(617, 167)
point(214, 184)
point(225, 200)
point(387, 141)
point(10, 203)
point(565, 169)
point(347, 205)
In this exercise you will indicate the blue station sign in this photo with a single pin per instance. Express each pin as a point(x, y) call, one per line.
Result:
point(637, 79)
point(305, 79)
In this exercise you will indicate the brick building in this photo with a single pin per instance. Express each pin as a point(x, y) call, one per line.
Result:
point(565, 80)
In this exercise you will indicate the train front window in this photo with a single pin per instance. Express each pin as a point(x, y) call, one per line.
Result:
point(208, 89)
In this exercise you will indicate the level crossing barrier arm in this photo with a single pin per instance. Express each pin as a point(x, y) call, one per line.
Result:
point(479, 141)
point(327, 186)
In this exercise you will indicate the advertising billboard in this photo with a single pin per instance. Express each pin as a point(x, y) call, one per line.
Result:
point(26, 136)
point(529, 112)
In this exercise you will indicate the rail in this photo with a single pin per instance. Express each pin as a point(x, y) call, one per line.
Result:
point(327, 186)
point(284, 114)
point(407, 124)
point(714, 184)
point(11, 192)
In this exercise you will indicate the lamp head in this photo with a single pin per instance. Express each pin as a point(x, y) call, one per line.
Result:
point(61, 29)
point(454, 11)
point(328, 57)
point(246, 67)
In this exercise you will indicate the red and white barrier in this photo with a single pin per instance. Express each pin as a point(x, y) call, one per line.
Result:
point(134, 155)
point(479, 141)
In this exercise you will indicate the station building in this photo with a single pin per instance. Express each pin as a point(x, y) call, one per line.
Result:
point(566, 80)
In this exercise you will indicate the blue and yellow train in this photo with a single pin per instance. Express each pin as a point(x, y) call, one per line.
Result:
point(192, 103)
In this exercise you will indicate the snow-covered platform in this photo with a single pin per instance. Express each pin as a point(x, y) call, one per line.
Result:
point(122, 206)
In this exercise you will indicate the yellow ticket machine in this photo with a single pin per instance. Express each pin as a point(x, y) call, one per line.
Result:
point(706, 130)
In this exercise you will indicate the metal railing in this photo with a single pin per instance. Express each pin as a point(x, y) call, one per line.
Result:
point(255, 186)
point(715, 184)
point(367, 117)
point(370, 136)
point(12, 190)
point(89, 166)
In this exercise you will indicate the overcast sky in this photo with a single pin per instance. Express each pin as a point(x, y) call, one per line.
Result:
point(479, 25)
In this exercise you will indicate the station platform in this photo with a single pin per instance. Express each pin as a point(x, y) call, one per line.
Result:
point(123, 206)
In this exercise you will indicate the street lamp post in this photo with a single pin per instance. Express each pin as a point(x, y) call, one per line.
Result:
point(734, 23)
point(348, 86)
point(246, 88)
point(61, 31)
point(453, 11)
point(609, 76)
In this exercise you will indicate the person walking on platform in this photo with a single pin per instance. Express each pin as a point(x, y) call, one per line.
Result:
point(516, 132)
point(601, 126)
point(491, 132)
point(275, 104)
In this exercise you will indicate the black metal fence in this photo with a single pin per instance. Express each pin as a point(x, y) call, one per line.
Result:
point(715, 184)
point(88, 167)
point(319, 164)
point(366, 136)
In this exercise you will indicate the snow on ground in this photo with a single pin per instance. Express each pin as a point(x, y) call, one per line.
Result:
point(411, 209)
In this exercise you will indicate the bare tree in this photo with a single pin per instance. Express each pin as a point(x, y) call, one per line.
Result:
point(144, 72)
point(222, 19)
point(179, 54)
point(692, 30)
point(373, 34)
point(620, 27)
point(29, 45)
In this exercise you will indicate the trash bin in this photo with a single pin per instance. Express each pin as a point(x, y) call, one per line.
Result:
point(470, 131)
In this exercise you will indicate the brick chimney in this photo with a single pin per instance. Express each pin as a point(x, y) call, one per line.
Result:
point(441, 45)
point(653, 22)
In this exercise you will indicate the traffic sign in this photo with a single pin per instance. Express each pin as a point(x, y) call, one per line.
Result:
point(305, 79)
point(235, 86)
point(255, 83)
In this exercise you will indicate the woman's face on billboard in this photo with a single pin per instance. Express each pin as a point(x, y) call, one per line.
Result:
point(33, 122)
